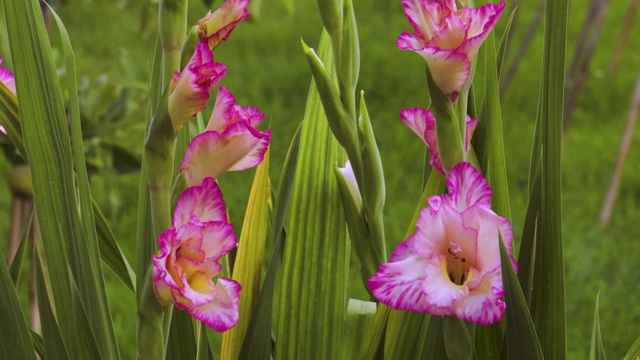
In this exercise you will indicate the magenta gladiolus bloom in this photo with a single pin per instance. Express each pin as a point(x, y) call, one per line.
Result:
point(231, 141)
point(188, 259)
point(422, 122)
point(451, 264)
point(447, 38)
point(190, 89)
point(7, 78)
point(216, 27)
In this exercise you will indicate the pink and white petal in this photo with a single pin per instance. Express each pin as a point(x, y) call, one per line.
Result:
point(220, 314)
point(218, 239)
point(450, 69)
point(440, 291)
point(248, 114)
point(418, 17)
point(431, 138)
point(487, 223)
point(222, 111)
point(163, 266)
point(244, 147)
point(202, 200)
point(190, 241)
point(467, 187)
point(198, 163)
point(216, 26)
point(413, 42)
point(470, 128)
point(482, 21)
point(2, 130)
point(483, 304)
point(418, 120)
point(404, 250)
point(399, 284)
point(442, 231)
point(451, 35)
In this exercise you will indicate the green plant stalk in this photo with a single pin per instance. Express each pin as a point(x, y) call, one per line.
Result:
point(172, 22)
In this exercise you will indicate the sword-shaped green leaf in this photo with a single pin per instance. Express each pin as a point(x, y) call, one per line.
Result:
point(15, 341)
point(596, 352)
point(249, 259)
point(314, 276)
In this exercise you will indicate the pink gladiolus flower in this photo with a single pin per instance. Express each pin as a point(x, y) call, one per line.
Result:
point(188, 259)
point(189, 90)
point(216, 27)
point(423, 123)
point(448, 38)
point(451, 264)
point(7, 78)
point(231, 141)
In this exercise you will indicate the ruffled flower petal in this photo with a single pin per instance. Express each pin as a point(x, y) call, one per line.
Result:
point(483, 305)
point(481, 21)
point(467, 187)
point(221, 314)
point(418, 120)
point(216, 27)
point(203, 203)
point(210, 154)
point(399, 284)
point(439, 291)
point(189, 90)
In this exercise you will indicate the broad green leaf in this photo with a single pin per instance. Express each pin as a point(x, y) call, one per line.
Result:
point(596, 351)
point(52, 339)
point(85, 261)
point(47, 142)
point(458, 343)
point(358, 318)
point(204, 351)
point(521, 339)
point(257, 342)
point(548, 300)
point(316, 256)
point(406, 330)
point(15, 341)
point(16, 264)
point(250, 256)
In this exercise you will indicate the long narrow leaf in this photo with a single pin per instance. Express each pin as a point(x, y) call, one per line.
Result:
point(522, 341)
point(16, 264)
point(48, 148)
point(86, 262)
point(548, 300)
point(314, 276)
point(248, 263)
point(257, 342)
point(182, 339)
point(596, 352)
point(52, 339)
point(15, 341)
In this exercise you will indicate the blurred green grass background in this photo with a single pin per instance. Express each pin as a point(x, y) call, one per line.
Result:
point(114, 42)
